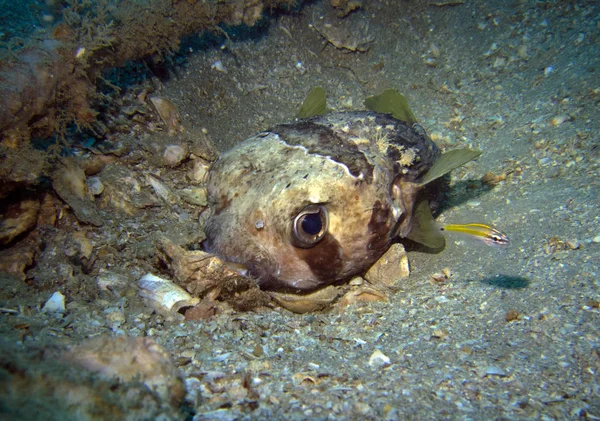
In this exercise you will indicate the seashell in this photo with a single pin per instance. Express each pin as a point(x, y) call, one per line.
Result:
point(218, 66)
point(123, 191)
point(362, 294)
point(305, 303)
point(390, 267)
point(162, 190)
point(69, 182)
point(110, 281)
point(55, 304)
point(559, 119)
point(379, 359)
point(168, 113)
point(200, 170)
point(84, 244)
point(164, 295)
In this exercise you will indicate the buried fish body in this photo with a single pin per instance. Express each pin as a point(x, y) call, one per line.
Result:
point(318, 200)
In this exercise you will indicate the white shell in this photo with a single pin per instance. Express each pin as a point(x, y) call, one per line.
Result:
point(162, 190)
point(55, 304)
point(379, 359)
point(163, 294)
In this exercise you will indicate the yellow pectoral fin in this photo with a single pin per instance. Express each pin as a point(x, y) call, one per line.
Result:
point(391, 102)
point(447, 162)
point(424, 230)
point(314, 104)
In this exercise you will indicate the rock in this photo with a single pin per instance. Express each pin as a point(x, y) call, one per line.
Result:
point(17, 259)
point(69, 183)
point(195, 270)
point(17, 219)
point(123, 191)
point(95, 186)
point(195, 196)
point(174, 154)
point(130, 359)
point(104, 378)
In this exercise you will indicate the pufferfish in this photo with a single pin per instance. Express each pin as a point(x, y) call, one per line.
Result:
point(318, 200)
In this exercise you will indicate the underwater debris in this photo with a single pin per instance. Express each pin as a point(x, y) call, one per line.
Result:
point(168, 114)
point(389, 268)
point(103, 378)
point(305, 303)
point(51, 82)
point(55, 304)
point(350, 34)
point(17, 219)
point(69, 182)
point(163, 295)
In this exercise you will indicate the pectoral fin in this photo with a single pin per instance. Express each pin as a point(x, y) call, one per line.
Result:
point(447, 162)
point(314, 104)
point(391, 102)
point(424, 230)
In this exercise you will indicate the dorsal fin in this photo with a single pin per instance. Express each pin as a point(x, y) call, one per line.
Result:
point(424, 230)
point(391, 102)
point(314, 104)
point(447, 162)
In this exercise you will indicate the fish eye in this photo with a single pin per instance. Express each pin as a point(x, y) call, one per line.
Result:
point(310, 226)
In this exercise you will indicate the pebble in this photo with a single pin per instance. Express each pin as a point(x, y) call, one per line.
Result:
point(493, 371)
point(173, 155)
point(95, 186)
point(596, 239)
point(379, 359)
point(218, 66)
point(55, 304)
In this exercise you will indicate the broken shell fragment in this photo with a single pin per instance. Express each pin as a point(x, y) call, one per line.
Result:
point(55, 304)
point(162, 190)
point(304, 303)
point(69, 182)
point(199, 170)
point(168, 113)
point(390, 267)
point(379, 359)
point(164, 295)
point(363, 294)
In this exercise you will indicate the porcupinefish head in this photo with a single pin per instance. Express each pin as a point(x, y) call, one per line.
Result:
point(316, 201)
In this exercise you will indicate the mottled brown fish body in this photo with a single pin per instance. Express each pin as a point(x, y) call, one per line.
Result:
point(353, 174)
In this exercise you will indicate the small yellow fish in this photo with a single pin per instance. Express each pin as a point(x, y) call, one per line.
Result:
point(489, 235)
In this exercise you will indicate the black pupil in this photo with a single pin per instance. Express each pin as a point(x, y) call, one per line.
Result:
point(311, 224)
